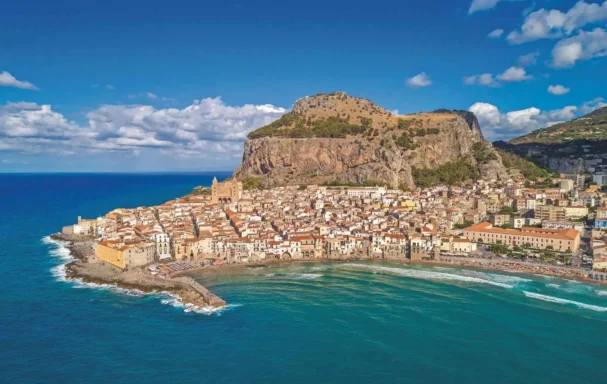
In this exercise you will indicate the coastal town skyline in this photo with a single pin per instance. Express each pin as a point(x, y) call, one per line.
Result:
point(518, 65)
point(336, 192)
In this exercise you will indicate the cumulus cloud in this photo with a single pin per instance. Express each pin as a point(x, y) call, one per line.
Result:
point(552, 23)
point(149, 96)
point(497, 125)
point(528, 59)
point(512, 74)
point(8, 80)
point(593, 105)
point(557, 89)
point(485, 79)
point(496, 34)
point(418, 81)
point(205, 126)
point(482, 5)
point(583, 46)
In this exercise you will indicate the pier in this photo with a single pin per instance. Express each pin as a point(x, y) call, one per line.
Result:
point(209, 297)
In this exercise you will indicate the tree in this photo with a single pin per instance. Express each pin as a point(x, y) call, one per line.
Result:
point(506, 210)
point(499, 249)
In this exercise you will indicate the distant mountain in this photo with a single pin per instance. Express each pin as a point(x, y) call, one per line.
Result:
point(339, 139)
point(592, 126)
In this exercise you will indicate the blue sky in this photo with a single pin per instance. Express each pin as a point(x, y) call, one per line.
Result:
point(162, 86)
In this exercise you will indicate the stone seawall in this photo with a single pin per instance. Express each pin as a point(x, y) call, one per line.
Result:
point(209, 297)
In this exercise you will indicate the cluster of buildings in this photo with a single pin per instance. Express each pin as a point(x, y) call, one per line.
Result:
point(231, 225)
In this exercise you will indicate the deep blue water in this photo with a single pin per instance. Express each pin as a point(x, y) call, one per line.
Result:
point(297, 323)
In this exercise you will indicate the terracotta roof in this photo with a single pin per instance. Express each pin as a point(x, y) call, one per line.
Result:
point(566, 234)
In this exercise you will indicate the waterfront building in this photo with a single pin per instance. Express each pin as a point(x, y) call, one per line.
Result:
point(84, 227)
point(125, 255)
point(463, 246)
point(562, 240)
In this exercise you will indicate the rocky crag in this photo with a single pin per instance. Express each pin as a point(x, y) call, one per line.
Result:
point(569, 147)
point(336, 138)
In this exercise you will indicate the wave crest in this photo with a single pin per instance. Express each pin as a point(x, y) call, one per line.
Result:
point(429, 275)
point(295, 276)
point(558, 300)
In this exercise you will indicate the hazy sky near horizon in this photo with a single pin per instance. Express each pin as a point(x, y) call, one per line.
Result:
point(176, 86)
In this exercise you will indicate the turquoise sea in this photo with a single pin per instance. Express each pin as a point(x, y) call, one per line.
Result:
point(356, 322)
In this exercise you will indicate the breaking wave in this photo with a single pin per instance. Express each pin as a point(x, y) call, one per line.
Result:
point(429, 275)
point(558, 300)
point(601, 292)
point(59, 250)
point(295, 276)
point(175, 301)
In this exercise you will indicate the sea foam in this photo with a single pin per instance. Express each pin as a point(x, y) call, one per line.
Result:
point(175, 301)
point(558, 300)
point(295, 276)
point(429, 275)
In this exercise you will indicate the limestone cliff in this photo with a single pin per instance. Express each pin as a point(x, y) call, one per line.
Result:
point(335, 137)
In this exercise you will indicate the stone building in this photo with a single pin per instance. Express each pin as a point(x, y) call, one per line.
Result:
point(229, 191)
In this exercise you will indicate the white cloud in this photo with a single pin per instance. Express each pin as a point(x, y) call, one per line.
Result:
point(485, 79)
point(149, 96)
point(32, 120)
point(8, 80)
point(496, 34)
point(487, 114)
point(593, 105)
point(528, 59)
point(583, 46)
point(110, 87)
point(205, 126)
point(502, 126)
point(482, 5)
point(552, 23)
point(418, 81)
point(514, 74)
point(558, 89)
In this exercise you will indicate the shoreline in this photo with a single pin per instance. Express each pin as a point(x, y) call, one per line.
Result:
point(192, 296)
point(494, 264)
point(193, 299)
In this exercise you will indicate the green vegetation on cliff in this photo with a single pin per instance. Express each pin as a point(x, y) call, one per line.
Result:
point(295, 125)
point(451, 173)
point(483, 153)
point(592, 126)
point(252, 182)
point(528, 168)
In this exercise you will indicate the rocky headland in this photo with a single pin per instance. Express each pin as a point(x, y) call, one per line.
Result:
point(89, 270)
point(337, 138)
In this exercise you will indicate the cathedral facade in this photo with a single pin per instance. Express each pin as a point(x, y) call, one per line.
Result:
point(225, 192)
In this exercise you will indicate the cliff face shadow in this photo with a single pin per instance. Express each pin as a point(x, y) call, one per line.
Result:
point(568, 157)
